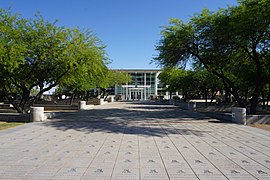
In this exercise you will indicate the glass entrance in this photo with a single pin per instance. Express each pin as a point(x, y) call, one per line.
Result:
point(135, 94)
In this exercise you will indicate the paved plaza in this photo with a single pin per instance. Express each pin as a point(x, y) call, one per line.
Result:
point(134, 140)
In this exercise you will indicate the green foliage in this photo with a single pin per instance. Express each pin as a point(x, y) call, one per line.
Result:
point(191, 84)
point(36, 53)
point(173, 78)
point(116, 78)
point(232, 44)
point(89, 68)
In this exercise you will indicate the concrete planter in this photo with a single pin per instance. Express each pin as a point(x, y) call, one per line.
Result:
point(239, 115)
point(258, 119)
point(82, 105)
point(36, 114)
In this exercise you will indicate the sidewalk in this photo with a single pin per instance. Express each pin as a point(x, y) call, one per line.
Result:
point(134, 141)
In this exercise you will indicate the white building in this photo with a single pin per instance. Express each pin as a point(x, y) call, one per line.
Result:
point(144, 85)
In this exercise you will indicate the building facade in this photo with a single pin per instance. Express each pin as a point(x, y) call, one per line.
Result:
point(144, 85)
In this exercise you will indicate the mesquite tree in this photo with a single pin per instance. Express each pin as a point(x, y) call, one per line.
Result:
point(232, 44)
point(36, 54)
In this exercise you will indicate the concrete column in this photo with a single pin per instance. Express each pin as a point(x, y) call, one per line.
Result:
point(144, 88)
point(36, 114)
point(82, 105)
point(239, 115)
point(127, 98)
point(115, 90)
point(156, 84)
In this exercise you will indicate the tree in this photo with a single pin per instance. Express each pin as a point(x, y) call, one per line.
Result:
point(226, 43)
point(102, 82)
point(90, 68)
point(113, 78)
point(192, 84)
point(173, 80)
point(250, 26)
point(37, 53)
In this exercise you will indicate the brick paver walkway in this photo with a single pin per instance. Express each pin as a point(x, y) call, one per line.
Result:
point(134, 141)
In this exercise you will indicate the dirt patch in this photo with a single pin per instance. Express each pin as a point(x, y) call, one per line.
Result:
point(262, 126)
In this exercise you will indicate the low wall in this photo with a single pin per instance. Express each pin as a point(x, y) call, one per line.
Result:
point(5, 106)
point(226, 117)
point(200, 106)
point(225, 113)
point(14, 117)
point(258, 119)
point(51, 107)
point(17, 117)
point(83, 106)
point(225, 109)
point(192, 106)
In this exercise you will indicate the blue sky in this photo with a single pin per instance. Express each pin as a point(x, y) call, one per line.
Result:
point(129, 28)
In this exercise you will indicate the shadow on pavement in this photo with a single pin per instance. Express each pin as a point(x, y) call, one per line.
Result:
point(133, 118)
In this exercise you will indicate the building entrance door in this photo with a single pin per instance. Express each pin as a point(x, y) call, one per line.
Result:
point(135, 94)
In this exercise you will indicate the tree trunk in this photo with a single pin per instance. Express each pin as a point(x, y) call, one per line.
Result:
point(15, 105)
point(12, 101)
point(268, 96)
point(205, 94)
point(105, 98)
point(226, 96)
point(213, 95)
point(259, 79)
point(235, 94)
point(263, 100)
point(103, 91)
point(255, 97)
point(72, 97)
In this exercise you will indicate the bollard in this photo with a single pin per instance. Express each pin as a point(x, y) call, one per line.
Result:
point(82, 105)
point(101, 101)
point(36, 114)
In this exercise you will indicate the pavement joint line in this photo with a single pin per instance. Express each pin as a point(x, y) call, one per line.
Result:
point(117, 153)
point(261, 132)
point(242, 151)
point(224, 156)
point(263, 139)
point(245, 154)
point(229, 157)
point(201, 152)
point(252, 147)
point(95, 156)
point(182, 154)
point(100, 139)
point(138, 140)
point(161, 158)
